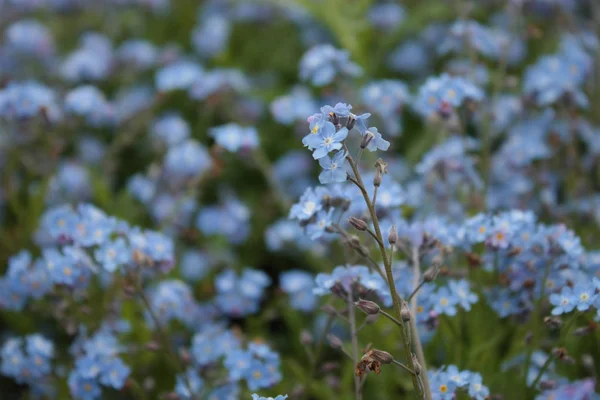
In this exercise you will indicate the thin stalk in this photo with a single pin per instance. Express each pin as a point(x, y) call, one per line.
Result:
point(354, 335)
point(542, 370)
point(536, 326)
point(413, 310)
point(414, 292)
point(164, 337)
point(374, 201)
point(394, 320)
point(392, 286)
point(398, 363)
point(373, 235)
point(321, 343)
point(264, 165)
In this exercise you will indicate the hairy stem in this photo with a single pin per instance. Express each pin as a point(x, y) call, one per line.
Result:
point(404, 332)
point(354, 334)
point(413, 311)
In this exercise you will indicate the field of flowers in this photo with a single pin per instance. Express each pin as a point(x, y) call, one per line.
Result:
point(301, 199)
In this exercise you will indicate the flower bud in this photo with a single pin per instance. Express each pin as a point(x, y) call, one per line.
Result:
point(152, 346)
point(306, 337)
point(366, 139)
point(553, 322)
point(334, 341)
point(431, 273)
point(381, 356)
point(354, 241)
point(350, 123)
point(547, 384)
point(358, 223)
point(377, 179)
point(560, 353)
point(583, 331)
point(416, 365)
point(363, 251)
point(393, 235)
point(405, 312)
point(329, 310)
point(367, 306)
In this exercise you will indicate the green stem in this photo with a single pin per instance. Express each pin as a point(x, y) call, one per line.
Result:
point(354, 338)
point(536, 326)
point(392, 286)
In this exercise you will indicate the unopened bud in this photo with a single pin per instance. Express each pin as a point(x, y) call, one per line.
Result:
point(582, 331)
point(367, 306)
point(350, 123)
point(379, 355)
point(405, 312)
point(377, 179)
point(152, 346)
point(515, 251)
point(330, 366)
point(185, 355)
point(371, 318)
point(553, 322)
point(393, 235)
point(334, 341)
point(547, 384)
point(431, 273)
point(416, 365)
point(306, 337)
point(588, 362)
point(354, 241)
point(474, 260)
point(366, 139)
point(358, 223)
point(149, 384)
point(363, 251)
point(560, 353)
point(329, 310)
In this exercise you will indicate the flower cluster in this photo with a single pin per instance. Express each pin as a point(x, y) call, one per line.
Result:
point(446, 381)
point(28, 360)
point(97, 365)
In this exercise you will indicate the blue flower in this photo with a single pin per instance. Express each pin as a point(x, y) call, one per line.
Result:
point(444, 302)
point(84, 100)
point(377, 142)
point(83, 388)
point(278, 397)
point(187, 160)
point(114, 373)
point(238, 363)
point(585, 295)
point(333, 168)
point(564, 302)
point(299, 285)
point(113, 254)
point(189, 385)
point(180, 75)
point(327, 139)
point(171, 129)
point(322, 63)
point(477, 390)
point(234, 137)
point(211, 36)
point(461, 289)
point(308, 205)
point(140, 53)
